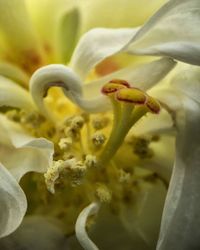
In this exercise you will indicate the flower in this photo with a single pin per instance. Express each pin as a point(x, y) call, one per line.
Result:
point(92, 164)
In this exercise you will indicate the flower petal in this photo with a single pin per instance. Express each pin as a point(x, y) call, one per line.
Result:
point(13, 203)
point(96, 45)
point(173, 31)
point(13, 72)
point(21, 153)
point(17, 30)
point(36, 233)
point(144, 215)
point(67, 34)
point(62, 76)
point(187, 81)
point(181, 221)
point(80, 227)
point(125, 13)
point(57, 27)
point(9, 98)
point(143, 76)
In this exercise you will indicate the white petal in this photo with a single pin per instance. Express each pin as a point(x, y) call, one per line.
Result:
point(80, 226)
point(36, 233)
point(13, 95)
point(57, 26)
point(181, 220)
point(16, 27)
point(15, 73)
point(144, 215)
point(187, 81)
point(21, 153)
point(144, 76)
point(173, 31)
point(13, 203)
point(96, 45)
point(124, 13)
point(64, 77)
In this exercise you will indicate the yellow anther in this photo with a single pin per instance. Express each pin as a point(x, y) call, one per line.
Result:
point(90, 161)
point(103, 193)
point(65, 143)
point(110, 88)
point(98, 139)
point(114, 85)
point(120, 82)
point(131, 95)
point(153, 105)
point(100, 122)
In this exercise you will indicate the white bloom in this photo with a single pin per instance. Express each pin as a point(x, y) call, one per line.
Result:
point(160, 36)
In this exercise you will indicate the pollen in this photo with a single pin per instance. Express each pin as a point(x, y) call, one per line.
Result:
point(103, 193)
point(98, 139)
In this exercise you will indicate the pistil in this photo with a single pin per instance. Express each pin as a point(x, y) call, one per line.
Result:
point(129, 105)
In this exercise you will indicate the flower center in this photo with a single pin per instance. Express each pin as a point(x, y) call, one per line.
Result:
point(84, 167)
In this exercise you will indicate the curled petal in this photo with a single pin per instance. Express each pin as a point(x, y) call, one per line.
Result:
point(173, 31)
point(13, 95)
point(96, 45)
point(13, 203)
point(64, 77)
point(80, 229)
point(21, 153)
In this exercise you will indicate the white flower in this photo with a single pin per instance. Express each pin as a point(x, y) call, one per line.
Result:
point(161, 36)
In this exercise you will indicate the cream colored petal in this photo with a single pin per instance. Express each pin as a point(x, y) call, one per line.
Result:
point(21, 153)
point(117, 14)
point(57, 27)
point(18, 32)
point(13, 72)
point(13, 95)
point(96, 45)
point(173, 31)
point(144, 76)
point(67, 34)
point(13, 203)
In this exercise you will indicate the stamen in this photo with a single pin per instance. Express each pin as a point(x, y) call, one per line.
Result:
point(80, 226)
point(153, 105)
point(98, 139)
point(114, 85)
point(131, 95)
point(103, 193)
point(129, 105)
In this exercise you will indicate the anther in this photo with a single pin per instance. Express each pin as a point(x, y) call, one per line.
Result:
point(131, 95)
point(153, 105)
point(113, 86)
